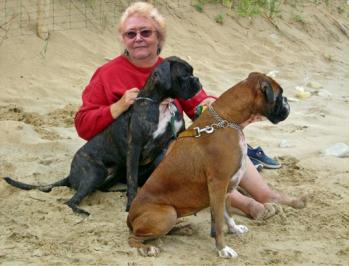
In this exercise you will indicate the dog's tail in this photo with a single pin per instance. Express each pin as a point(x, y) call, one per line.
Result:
point(43, 188)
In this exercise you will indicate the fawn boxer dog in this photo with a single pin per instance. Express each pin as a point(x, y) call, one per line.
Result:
point(139, 135)
point(203, 164)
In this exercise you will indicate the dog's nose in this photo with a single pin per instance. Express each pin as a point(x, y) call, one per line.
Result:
point(285, 103)
point(197, 81)
point(285, 108)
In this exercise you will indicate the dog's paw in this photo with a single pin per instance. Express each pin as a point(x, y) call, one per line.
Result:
point(78, 210)
point(227, 252)
point(149, 251)
point(237, 229)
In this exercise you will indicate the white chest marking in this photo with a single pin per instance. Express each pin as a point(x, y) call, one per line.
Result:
point(165, 114)
point(236, 178)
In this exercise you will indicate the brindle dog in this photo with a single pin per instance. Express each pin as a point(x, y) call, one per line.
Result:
point(137, 137)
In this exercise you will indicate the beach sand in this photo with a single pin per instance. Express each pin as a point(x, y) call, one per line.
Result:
point(41, 86)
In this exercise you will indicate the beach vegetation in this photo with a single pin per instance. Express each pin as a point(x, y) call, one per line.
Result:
point(299, 19)
point(228, 3)
point(340, 9)
point(219, 18)
point(199, 7)
point(250, 8)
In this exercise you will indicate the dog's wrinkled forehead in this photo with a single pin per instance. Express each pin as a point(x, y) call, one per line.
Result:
point(263, 77)
point(179, 66)
point(266, 85)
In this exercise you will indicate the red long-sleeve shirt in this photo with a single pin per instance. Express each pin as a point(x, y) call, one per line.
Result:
point(107, 85)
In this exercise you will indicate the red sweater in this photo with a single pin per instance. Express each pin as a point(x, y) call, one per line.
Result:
point(107, 85)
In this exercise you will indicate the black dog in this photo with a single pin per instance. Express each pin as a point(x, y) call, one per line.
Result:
point(139, 134)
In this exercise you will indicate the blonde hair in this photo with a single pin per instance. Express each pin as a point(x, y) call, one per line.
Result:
point(148, 11)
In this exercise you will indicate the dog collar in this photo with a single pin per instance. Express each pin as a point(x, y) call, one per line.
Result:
point(172, 109)
point(145, 98)
point(221, 123)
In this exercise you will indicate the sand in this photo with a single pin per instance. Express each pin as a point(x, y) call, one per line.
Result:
point(41, 90)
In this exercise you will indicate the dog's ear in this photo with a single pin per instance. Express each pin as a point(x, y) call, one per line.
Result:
point(267, 90)
point(173, 59)
point(162, 75)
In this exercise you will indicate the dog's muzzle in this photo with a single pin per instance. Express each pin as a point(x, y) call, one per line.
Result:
point(280, 111)
point(195, 82)
point(190, 87)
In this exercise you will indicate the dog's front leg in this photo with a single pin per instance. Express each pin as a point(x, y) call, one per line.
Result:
point(133, 155)
point(234, 228)
point(213, 226)
point(217, 190)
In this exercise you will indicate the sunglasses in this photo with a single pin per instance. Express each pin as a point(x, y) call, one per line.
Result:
point(146, 33)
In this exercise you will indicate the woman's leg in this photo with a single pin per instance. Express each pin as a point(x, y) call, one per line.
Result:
point(261, 194)
point(255, 185)
point(249, 206)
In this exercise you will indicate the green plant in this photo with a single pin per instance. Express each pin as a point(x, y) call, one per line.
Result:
point(203, 2)
point(272, 6)
point(299, 19)
point(340, 10)
point(247, 8)
point(227, 3)
point(199, 7)
point(319, 2)
point(219, 18)
point(250, 8)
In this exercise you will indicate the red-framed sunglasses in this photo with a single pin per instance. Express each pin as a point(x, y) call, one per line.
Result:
point(145, 33)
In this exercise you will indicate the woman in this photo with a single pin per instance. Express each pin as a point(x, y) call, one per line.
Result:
point(115, 85)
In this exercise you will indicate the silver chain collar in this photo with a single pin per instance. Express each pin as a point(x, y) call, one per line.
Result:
point(221, 123)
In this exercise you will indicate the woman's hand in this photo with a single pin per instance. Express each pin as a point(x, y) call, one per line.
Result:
point(128, 98)
point(124, 103)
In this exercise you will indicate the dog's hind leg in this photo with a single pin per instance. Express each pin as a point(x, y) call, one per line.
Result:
point(76, 199)
point(182, 229)
point(85, 185)
point(85, 188)
point(114, 176)
point(151, 224)
point(145, 250)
